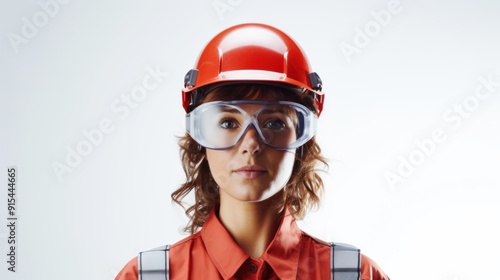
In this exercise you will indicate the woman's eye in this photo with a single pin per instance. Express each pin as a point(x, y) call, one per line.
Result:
point(275, 124)
point(227, 123)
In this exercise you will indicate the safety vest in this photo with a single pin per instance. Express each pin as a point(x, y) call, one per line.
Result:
point(345, 263)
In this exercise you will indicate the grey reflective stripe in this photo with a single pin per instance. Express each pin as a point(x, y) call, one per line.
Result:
point(153, 264)
point(345, 262)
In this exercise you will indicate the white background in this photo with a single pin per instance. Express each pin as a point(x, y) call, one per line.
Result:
point(441, 222)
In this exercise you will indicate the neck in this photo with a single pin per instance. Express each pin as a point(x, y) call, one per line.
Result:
point(252, 225)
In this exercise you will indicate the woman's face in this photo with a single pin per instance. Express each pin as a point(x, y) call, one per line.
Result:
point(250, 171)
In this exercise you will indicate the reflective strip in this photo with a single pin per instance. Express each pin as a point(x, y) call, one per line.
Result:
point(345, 262)
point(153, 264)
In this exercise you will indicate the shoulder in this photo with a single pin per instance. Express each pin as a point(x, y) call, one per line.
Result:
point(315, 241)
point(129, 271)
point(186, 243)
point(187, 240)
point(370, 270)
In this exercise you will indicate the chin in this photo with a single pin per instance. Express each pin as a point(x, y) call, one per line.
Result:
point(251, 194)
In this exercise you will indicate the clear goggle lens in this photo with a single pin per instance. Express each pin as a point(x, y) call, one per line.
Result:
point(282, 125)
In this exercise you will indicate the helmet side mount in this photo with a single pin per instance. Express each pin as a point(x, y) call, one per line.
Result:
point(315, 80)
point(190, 78)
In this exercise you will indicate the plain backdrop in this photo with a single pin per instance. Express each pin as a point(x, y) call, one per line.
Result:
point(393, 80)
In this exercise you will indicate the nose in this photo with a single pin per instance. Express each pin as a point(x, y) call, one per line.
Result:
point(250, 142)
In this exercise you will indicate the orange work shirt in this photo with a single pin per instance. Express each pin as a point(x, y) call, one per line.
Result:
point(212, 254)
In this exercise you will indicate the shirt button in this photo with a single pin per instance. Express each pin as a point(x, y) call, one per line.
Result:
point(252, 268)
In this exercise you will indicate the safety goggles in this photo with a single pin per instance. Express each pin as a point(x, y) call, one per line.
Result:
point(282, 125)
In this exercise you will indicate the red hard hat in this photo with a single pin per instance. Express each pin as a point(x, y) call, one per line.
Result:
point(251, 53)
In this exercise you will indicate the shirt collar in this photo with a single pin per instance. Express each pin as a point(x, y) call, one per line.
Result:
point(282, 254)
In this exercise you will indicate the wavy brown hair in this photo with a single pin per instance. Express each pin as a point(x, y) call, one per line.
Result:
point(302, 191)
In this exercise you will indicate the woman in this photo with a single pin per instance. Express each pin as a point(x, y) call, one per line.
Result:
point(250, 157)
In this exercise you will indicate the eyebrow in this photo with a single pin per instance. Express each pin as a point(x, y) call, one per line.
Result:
point(273, 111)
point(229, 110)
point(266, 111)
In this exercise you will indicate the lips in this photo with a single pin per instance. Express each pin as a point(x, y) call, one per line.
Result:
point(250, 171)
